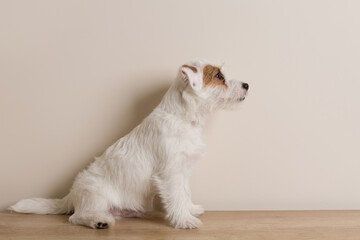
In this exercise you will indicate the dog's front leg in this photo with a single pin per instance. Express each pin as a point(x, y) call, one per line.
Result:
point(195, 209)
point(175, 195)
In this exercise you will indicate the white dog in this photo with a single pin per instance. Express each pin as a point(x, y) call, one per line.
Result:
point(154, 158)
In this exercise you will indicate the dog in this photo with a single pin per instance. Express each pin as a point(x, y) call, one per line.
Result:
point(155, 158)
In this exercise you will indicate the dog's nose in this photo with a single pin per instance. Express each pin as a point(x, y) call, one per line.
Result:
point(245, 86)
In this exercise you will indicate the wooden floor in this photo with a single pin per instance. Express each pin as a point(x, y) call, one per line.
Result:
point(264, 225)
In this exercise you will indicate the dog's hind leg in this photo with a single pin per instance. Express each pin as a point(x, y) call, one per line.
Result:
point(92, 210)
point(99, 220)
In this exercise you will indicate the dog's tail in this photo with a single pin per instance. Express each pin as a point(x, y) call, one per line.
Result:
point(43, 206)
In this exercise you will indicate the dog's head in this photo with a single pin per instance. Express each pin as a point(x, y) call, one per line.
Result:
point(208, 82)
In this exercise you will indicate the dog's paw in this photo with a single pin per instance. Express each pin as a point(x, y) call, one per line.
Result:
point(93, 220)
point(102, 222)
point(188, 222)
point(101, 225)
point(196, 210)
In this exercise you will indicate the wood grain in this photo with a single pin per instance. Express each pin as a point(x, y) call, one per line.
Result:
point(279, 225)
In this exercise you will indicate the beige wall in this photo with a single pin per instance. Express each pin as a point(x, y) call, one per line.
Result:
point(77, 75)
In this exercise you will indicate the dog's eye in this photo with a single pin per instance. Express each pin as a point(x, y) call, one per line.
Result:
point(219, 76)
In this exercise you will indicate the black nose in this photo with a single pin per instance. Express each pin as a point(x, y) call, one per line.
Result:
point(245, 86)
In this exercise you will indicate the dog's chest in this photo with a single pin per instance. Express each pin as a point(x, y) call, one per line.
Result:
point(187, 141)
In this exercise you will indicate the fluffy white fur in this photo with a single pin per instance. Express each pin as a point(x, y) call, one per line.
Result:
point(154, 158)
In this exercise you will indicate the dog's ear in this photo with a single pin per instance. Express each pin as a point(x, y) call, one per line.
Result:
point(191, 76)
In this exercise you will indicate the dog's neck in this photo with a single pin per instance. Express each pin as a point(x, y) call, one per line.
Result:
point(185, 106)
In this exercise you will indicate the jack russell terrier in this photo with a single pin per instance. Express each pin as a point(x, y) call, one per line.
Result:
point(154, 158)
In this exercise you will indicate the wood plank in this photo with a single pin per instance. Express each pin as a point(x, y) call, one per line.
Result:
point(289, 225)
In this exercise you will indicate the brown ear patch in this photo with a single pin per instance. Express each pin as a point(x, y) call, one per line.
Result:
point(210, 78)
point(194, 69)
